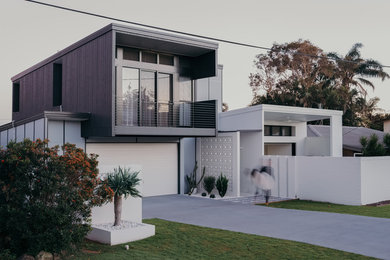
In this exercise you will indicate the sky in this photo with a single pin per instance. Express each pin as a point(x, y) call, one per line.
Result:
point(30, 33)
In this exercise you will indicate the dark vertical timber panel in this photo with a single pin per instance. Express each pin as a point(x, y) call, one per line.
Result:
point(86, 86)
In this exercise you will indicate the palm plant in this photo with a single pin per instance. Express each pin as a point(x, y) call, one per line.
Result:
point(123, 182)
point(353, 69)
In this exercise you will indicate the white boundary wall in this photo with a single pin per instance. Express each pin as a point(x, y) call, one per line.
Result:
point(342, 180)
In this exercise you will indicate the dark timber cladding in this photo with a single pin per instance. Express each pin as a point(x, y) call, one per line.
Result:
point(86, 84)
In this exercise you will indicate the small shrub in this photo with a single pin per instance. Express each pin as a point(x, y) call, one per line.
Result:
point(191, 179)
point(212, 196)
point(372, 147)
point(222, 184)
point(204, 194)
point(209, 183)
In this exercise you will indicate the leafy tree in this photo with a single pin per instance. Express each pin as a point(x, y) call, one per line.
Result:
point(123, 182)
point(301, 74)
point(46, 198)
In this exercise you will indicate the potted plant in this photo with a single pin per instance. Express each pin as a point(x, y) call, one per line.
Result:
point(123, 182)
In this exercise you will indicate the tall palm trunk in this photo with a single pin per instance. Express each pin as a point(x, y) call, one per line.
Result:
point(117, 209)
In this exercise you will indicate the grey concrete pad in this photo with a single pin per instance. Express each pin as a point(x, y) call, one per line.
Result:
point(358, 234)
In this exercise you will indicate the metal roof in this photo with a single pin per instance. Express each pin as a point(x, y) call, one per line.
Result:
point(351, 135)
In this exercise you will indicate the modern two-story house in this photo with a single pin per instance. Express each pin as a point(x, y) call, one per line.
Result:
point(130, 95)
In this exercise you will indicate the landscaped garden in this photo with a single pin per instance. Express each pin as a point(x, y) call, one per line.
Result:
point(380, 211)
point(181, 241)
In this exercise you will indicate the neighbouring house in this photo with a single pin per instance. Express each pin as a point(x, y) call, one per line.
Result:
point(135, 97)
point(351, 136)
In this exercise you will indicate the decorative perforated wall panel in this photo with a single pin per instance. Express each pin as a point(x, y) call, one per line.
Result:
point(217, 155)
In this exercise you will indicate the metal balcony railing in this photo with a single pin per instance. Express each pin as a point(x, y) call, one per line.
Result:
point(143, 113)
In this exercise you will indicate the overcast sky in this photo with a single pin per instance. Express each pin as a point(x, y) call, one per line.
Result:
point(31, 32)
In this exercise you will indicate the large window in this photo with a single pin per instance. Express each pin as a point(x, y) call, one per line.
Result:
point(275, 130)
point(149, 91)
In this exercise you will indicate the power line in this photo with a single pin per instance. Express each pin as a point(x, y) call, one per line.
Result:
point(185, 33)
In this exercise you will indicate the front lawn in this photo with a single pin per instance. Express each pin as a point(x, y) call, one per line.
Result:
point(181, 241)
point(371, 211)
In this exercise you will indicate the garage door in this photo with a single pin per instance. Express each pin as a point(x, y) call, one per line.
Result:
point(159, 163)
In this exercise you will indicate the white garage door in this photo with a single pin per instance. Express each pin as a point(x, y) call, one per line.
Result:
point(158, 162)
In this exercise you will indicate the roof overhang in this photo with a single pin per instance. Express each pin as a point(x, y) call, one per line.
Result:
point(162, 42)
point(51, 115)
point(296, 114)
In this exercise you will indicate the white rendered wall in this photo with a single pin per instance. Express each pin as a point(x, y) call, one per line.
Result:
point(375, 178)
point(329, 179)
point(241, 120)
point(250, 158)
point(220, 154)
point(317, 146)
point(336, 136)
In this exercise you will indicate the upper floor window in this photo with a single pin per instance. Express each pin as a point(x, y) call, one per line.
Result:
point(132, 54)
point(57, 84)
point(275, 130)
point(15, 97)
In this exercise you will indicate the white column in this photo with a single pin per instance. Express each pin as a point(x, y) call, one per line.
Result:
point(336, 136)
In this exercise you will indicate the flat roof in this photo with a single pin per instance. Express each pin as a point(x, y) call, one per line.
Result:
point(286, 113)
point(136, 37)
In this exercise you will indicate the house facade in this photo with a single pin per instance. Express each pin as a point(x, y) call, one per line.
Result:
point(135, 97)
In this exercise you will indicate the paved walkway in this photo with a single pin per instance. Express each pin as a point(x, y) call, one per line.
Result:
point(363, 235)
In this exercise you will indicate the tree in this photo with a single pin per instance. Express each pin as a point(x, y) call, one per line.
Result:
point(123, 182)
point(286, 76)
point(46, 198)
point(353, 70)
point(301, 74)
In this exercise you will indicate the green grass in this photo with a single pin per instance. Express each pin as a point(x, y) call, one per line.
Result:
point(181, 241)
point(371, 211)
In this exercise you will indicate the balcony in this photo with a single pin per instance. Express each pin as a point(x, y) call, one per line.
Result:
point(184, 119)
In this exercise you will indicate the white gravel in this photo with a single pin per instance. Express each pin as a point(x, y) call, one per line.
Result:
point(124, 225)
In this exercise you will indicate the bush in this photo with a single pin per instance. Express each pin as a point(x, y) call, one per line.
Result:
point(222, 184)
point(209, 183)
point(212, 196)
point(46, 198)
point(204, 194)
point(371, 146)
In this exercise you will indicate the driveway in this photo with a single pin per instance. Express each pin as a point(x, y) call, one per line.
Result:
point(362, 235)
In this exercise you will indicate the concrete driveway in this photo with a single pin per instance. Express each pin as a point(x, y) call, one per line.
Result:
point(363, 235)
